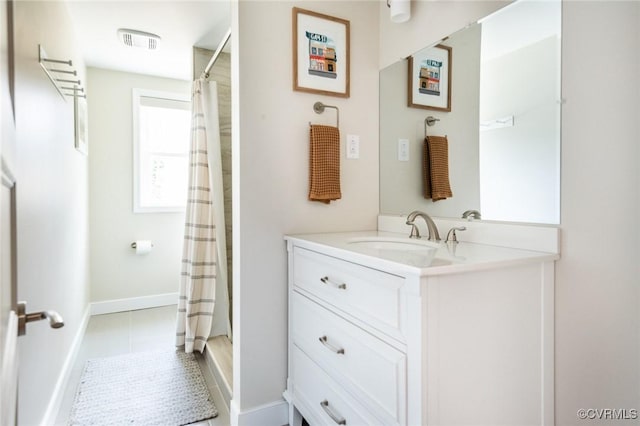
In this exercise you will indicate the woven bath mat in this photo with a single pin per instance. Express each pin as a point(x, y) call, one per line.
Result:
point(147, 388)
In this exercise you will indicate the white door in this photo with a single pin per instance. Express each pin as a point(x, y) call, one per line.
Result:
point(8, 302)
point(8, 305)
point(13, 318)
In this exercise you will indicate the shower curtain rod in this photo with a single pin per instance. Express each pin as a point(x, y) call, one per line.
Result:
point(214, 58)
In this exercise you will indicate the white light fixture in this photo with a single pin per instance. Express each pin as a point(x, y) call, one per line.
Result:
point(400, 10)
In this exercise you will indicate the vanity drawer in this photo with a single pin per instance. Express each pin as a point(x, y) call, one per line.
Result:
point(320, 399)
point(365, 293)
point(373, 371)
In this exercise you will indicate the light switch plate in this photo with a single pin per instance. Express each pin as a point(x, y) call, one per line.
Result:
point(403, 149)
point(353, 146)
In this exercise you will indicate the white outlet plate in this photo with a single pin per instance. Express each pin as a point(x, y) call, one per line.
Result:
point(353, 146)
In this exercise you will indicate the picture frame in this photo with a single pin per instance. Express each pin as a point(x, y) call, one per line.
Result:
point(321, 61)
point(81, 129)
point(429, 79)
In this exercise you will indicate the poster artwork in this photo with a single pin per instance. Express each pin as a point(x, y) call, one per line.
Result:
point(322, 55)
point(429, 83)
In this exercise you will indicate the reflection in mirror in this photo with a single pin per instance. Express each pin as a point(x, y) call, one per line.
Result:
point(503, 129)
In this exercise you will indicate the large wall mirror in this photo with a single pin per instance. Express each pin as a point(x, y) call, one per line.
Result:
point(503, 129)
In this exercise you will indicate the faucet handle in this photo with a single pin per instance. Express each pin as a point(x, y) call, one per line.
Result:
point(415, 233)
point(471, 214)
point(451, 235)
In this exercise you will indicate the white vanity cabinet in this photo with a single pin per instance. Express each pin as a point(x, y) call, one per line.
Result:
point(379, 342)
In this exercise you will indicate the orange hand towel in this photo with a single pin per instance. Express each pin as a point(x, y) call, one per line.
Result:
point(324, 163)
point(436, 168)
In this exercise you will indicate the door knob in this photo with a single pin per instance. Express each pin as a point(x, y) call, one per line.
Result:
point(55, 320)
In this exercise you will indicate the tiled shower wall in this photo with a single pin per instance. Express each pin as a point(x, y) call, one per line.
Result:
point(221, 74)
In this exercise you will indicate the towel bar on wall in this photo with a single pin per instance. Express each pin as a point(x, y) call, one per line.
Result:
point(319, 107)
point(429, 121)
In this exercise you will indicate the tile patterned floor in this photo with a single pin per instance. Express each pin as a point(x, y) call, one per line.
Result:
point(127, 332)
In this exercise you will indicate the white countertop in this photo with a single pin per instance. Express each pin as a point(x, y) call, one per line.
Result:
point(445, 258)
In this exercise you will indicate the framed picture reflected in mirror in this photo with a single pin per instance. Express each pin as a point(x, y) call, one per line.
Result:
point(430, 79)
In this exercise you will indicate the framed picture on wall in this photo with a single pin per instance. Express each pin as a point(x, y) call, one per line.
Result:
point(320, 53)
point(80, 117)
point(430, 79)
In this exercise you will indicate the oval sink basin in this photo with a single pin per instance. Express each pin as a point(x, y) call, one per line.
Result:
point(390, 243)
point(408, 251)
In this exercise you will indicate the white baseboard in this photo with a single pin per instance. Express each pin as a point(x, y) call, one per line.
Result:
point(55, 401)
point(272, 414)
point(133, 303)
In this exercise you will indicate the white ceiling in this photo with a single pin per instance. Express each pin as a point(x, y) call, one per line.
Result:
point(181, 24)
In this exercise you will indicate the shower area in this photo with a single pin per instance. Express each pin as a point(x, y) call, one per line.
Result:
point(215, 66)
point(123, 278)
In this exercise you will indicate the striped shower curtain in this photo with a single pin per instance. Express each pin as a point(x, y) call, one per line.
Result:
point(203, 307)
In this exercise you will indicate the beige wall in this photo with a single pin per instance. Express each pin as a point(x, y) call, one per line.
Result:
point(598, 276)
point(52, 191)
point(271, 137)
point(116, 271)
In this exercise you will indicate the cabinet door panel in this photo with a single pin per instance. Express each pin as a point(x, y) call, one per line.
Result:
point(367, 294)
point(370, 369)
point(320, 399)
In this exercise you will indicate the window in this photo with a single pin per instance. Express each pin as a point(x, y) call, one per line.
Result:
point(161, 134)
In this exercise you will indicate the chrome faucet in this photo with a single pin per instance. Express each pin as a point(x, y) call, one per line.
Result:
point(474, 214)
point(434, 235)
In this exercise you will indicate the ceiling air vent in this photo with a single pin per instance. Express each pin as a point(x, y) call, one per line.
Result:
point(141, 39)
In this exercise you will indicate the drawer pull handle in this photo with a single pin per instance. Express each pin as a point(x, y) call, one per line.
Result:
point(338, 419)
point(326, 280)
point(323, 340)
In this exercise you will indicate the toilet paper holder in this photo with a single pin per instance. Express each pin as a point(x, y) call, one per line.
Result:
point(135, 245)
